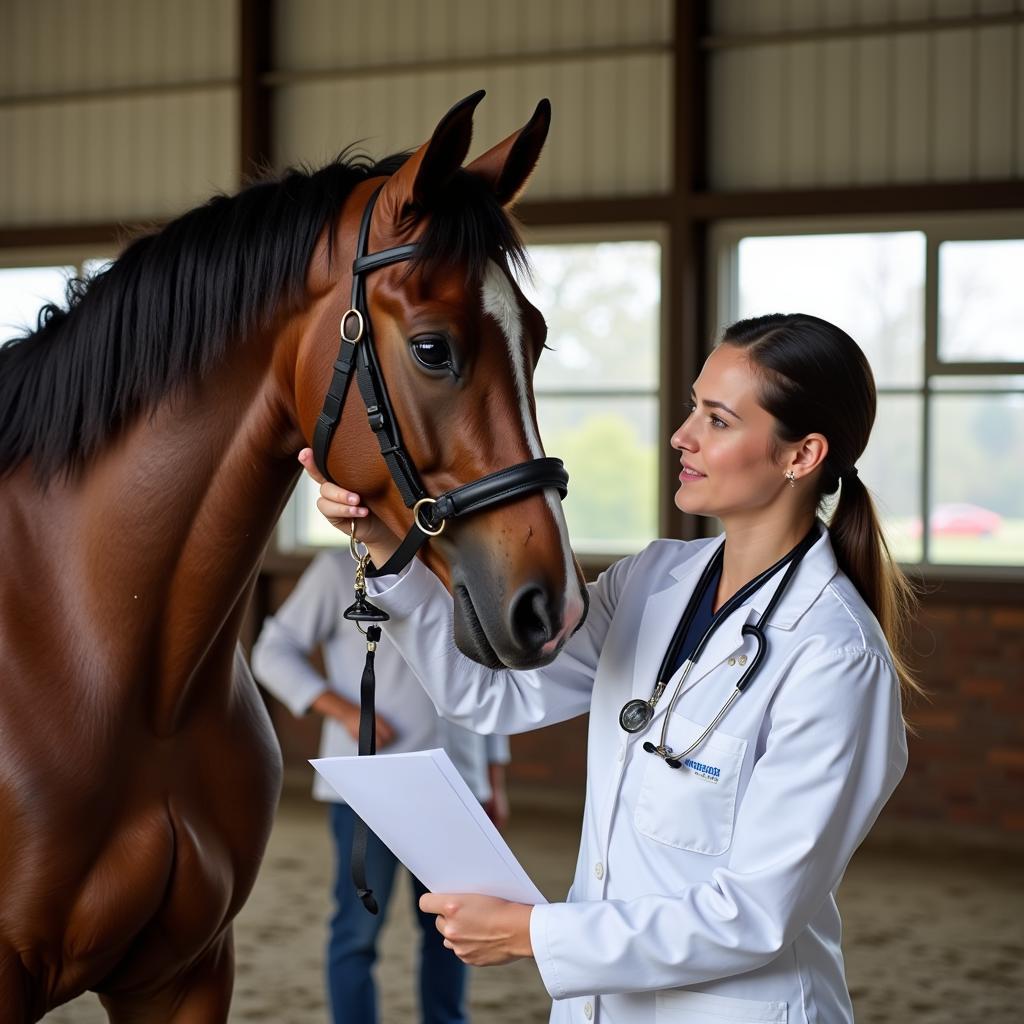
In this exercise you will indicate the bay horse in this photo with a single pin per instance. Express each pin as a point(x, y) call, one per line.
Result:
point(147, 446)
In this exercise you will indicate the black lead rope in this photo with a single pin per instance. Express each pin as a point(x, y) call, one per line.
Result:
point(361, 611)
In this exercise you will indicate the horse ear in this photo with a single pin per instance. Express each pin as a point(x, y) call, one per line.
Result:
point(508, 166)
point(432, 165)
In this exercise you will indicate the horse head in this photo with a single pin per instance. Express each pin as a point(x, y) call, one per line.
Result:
point(456, 343)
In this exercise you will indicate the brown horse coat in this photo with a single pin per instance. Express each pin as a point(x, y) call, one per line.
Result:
point(138, 769)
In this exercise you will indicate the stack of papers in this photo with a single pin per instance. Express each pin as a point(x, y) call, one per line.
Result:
point(423, 811)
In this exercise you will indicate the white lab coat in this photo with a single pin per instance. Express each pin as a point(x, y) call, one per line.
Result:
point(701, 896)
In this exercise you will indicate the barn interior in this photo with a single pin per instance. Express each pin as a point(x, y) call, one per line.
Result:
point(860, 160)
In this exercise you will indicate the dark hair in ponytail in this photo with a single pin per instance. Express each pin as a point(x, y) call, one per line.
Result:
point(815, 379)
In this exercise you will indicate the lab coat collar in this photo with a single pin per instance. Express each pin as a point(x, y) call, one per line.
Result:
point(816, 571)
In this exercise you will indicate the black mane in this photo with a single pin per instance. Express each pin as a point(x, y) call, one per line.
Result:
point(174, 301)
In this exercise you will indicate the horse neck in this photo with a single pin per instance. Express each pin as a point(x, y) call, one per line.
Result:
point(159, 541)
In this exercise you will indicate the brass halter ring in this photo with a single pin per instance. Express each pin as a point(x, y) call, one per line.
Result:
point(359, 323)
point(416, 518)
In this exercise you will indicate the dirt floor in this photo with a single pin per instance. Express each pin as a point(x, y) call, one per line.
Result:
point(929, 939)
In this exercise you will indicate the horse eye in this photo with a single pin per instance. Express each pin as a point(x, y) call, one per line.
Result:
point(431, 351)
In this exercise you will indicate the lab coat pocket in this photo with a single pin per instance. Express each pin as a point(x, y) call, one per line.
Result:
point(693, 807)
point(680, 1006)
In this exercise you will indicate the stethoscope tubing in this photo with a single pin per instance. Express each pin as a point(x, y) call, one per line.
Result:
point(748, 674)
point(791, 562)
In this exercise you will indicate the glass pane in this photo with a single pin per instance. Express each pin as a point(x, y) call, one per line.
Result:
point(870, 285)
point(610, 448)
point(977, 465)
point(891, 469)
point(981, 301)
point(23, 292)
point(602, 303)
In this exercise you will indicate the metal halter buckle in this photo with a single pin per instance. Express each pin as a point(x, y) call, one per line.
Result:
point(359, 324)
point(419, 522)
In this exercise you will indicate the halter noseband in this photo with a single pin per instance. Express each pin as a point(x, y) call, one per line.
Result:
point(359, 354)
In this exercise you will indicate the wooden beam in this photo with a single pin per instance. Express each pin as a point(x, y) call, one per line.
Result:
point(684, 292)
point(44, 236)
point(601, 211)
point(953, 197)
point(256, 152)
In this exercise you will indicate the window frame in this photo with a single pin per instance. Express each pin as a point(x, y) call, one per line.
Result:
point(54, 256)
point(722, 293)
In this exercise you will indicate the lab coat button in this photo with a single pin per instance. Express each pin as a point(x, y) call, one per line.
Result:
point(588, 1011)
point(599, 870)
point(743, 659)
point(732, 661)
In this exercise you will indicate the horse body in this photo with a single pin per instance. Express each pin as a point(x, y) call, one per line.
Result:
point(153, 759)
point(138, 769)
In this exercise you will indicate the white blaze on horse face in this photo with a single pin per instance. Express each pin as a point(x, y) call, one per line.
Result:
point(500, 303)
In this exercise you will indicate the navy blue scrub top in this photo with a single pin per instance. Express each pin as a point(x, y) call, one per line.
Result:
point(701, 623)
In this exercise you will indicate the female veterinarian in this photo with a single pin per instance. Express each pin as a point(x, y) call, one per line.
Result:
point(722, 807)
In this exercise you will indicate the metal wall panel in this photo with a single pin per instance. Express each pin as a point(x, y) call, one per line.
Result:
point(124, 158)
point(759, 16)
point(340, 34)
point(115, 109)
point(51, 46)
point(610, 128)
point(910, 106)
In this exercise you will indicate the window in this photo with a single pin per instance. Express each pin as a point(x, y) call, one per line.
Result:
point(596, 389)
point(24, 291)
point(941, 318)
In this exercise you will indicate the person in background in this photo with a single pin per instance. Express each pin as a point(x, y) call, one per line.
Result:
point(311, 617)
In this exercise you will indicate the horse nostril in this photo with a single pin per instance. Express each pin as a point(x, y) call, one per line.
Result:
point(530, 620)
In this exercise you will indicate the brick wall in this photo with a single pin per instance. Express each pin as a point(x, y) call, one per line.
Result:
point(965, 782)
point(967, 759)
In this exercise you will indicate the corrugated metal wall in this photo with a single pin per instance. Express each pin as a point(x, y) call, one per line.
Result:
point(927, 105)
point(159, 136)
point(385, 72)
point(129, 109)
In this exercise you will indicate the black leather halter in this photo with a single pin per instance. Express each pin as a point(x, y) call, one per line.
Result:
point(358, 354)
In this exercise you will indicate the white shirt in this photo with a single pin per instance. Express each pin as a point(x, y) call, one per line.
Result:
point(707, 894)
point(312, 617)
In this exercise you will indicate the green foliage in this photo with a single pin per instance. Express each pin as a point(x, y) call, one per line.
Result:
point(612, 483)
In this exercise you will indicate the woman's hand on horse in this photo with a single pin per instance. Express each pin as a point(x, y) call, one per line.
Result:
point(481, 930)
point(342, 510)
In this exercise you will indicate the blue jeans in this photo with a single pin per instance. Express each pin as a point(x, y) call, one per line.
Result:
point(352, 944)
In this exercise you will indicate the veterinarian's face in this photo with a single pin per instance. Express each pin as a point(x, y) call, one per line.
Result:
point(726, 444)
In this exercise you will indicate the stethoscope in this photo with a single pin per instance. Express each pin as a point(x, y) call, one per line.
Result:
point(636, 714)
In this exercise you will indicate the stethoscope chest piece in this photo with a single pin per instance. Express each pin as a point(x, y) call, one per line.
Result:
point(636, 715)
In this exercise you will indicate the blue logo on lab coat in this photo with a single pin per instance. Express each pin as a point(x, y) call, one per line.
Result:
point(708, 772)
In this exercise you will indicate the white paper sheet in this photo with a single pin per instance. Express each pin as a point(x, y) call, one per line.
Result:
point(423, 811)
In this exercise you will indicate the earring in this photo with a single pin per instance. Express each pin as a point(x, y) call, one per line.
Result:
point(791, 477)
